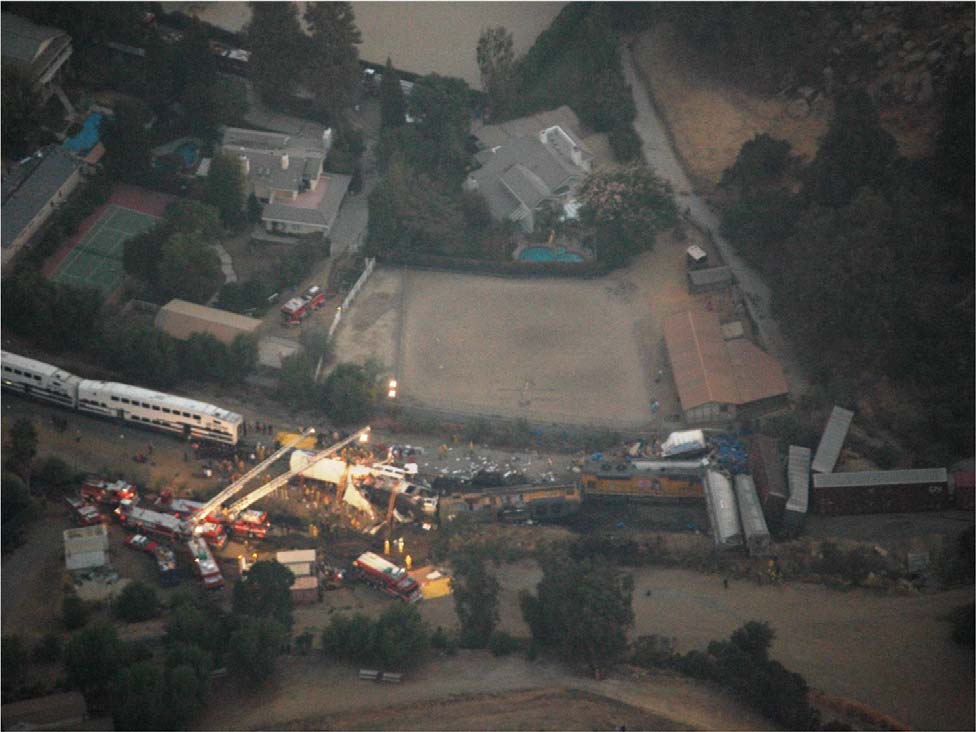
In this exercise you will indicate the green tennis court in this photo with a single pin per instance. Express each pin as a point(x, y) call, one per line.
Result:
point(96, 261)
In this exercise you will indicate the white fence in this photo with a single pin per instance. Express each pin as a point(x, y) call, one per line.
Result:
point(367, 271)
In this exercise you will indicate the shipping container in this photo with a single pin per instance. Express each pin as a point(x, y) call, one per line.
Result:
point(722, 513)
point(798, 479)
point(769, 476)
point(754, 528)
point(885, 491)
point(832, 440)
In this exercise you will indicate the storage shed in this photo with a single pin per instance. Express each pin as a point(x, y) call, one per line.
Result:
point(305, 591)
point(181, 319)
point(301, 562)
point(709, 280)
point(86, 547)
point(832, 440)
point(798, 478)
point(722, 513)
point(881, 491)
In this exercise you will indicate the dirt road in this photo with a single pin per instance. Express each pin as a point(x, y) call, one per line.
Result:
point(312, 689)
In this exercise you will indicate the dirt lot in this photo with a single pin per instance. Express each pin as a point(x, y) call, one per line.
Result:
point(711, 121)
point(529, 348)
point(474, 690)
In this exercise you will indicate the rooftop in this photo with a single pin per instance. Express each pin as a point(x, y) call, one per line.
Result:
point(709, 369)
point(181, 319)
point(832, 440)
point(868, 478)
point(28, 191)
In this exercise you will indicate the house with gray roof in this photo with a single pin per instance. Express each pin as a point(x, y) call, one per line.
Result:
point(39, 50)
point(31, 194)
point(286, 173)
point(523, 174)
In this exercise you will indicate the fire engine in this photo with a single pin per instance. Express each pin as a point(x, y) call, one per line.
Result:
point(298, 308)
point(386, 576)
point(82, 513)
point(204, 564)
point(102, 491)
point(212, 526)
point(161, 525)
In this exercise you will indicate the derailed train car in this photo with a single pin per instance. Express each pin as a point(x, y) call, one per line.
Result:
point(754, 528)
point(722, 513)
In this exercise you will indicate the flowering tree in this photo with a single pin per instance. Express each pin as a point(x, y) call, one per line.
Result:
point(626, 208)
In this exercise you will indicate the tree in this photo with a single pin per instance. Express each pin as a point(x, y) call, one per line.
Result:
point(14, 660)
point(351, 392)
point(755, 639)
point(762, 160)
point(183, 695)
point(254, 647)
point(187, 216)
point(496, 62)
point(137, 602)
point(277, 45)
point(196, 64)
point(333, 59)
point(141, 253)
point(189, 268)
point(582, 609)
point(225, 188)
point(242, 358)
point(194, 624)
point(127, 141)
point(74, 612)
point(20, 104)
point(393, 106)
point(16, 509)
point(475, 593)
point(23, 447)
point(92, 657)
point(140, 351)
point(254, 208)
point(626, 208)
point(349, 638)
point(855, 152)
point(441, 107)
point(56, 475)
point(401, 637)
point(137, 697)
point(210, 105)
point(295, 383)
point(266, 593)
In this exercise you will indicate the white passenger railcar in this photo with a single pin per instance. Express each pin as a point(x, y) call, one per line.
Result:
point(186, 417)
point(153, 409)
point(39, 380)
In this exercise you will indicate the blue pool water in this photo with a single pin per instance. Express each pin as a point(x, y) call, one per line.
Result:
point(548, 254)
point(87, 136)
point(188, 151)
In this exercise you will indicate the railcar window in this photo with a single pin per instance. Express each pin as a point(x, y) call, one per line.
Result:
point(146, 406)
point(166, 409)
point(36, 377)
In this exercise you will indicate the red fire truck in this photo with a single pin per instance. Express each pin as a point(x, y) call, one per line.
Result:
point(211, 529)
point(298, 308)
point(109, 493)
point(386, 576)
point(82, 513)
point(153, 523)
point(251, 523)
point(204, 564)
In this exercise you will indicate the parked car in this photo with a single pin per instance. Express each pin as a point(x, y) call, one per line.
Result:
point(141, 543)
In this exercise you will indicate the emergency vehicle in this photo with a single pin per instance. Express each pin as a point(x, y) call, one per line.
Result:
point(298, 308)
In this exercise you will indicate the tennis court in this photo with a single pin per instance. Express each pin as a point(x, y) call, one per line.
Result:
point(96, 261)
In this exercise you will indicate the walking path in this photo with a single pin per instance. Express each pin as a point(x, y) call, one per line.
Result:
point(660, 154)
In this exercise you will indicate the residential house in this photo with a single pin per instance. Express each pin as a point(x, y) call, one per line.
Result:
point(41, 51)
point(286, 174)
point(32, 192)
point(525, 173)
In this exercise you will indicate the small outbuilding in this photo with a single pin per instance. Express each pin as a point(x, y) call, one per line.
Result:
point(86, 547)
point(305, 591)
point(181, 319)
point(301, 562)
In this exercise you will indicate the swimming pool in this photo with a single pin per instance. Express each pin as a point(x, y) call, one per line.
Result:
point(188, 151)
point(548, 254)
point(87, 136)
